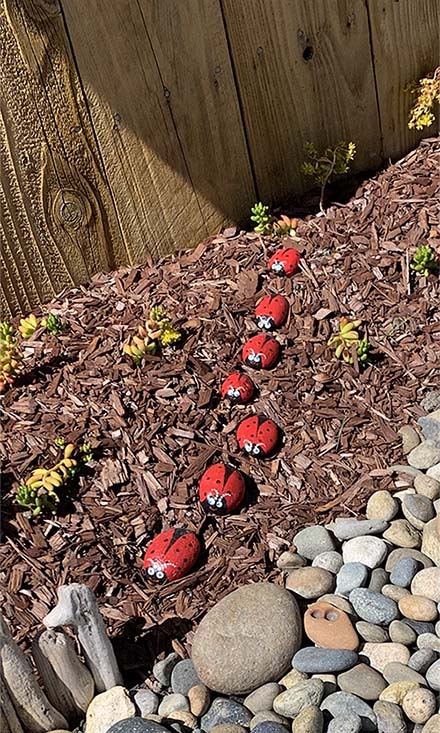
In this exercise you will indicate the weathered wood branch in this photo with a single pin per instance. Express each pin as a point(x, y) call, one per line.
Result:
point(34, 710)
point(9, 722)
point(67, 681)
point(77, 608)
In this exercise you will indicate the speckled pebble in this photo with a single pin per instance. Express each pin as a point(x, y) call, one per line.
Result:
point(267, 727)
point(291, 678)
point(418, 608)
point(137, 725)
point(429, 641)
point(433, 725)
point(146, 701)
point(199, 699)
point(346, 723)
point(419, 705)
point(382, 654)
point(268, 716)
point(331, 561)
point(404, 571)
point(419, 507)
point(228, 728)
point(373, 607)
point(352, 575)
point(427, 486)
point(338, 601)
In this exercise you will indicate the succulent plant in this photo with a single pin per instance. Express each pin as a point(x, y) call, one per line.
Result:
point(53, 324)
point(425, 260)
point(285, 225)
point(346, 338)
point(262, 218)
point(10, 356)
point(40, 492)
point(28, 326)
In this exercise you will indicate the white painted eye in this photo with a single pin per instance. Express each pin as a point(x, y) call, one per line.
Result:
point(236, 393)
point(257, 358)
point(219, 504)
point(151, 571)
point(211, 500)
point(248, 447)
point(160, 575)
point(256, 450)
point(251, 357)
point(231, 392)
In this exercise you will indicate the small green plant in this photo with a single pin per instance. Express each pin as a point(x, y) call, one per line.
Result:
point(10, 356)
point(285, 226)
point(262, 218)
point(348, 338)
point(53, 324)
point(28, 326)
point(157, 331)
point(331, 162)
point(427, 95)
point(424, 260)
point(41, 491)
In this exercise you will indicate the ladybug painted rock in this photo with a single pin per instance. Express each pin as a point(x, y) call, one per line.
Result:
point(238, 388)
point(261, 351)
point(258, 436)
point(271, 312)
point(284, 262)
point(171, 554)
point(221, 488)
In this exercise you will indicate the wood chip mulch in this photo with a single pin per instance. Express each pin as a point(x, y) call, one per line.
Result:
point(155, 430)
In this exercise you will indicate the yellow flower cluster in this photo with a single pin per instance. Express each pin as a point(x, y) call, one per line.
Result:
point(427, 93)
point(158, 329)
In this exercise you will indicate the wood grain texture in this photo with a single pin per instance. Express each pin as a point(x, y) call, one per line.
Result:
point(405, 41)
point(287, 99)
point(190, 46)
point(158, 208)
point(58, 220)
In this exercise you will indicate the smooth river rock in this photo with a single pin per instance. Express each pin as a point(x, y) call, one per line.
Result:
point(363, 681)
point(339, 703)
point(224, 710)
point(427, 583)
point(291, 702)
point(373, 607)
point(247, 639)
point(310, 582)
point(382, 505)
point(315, 660)
point(311, 541)
point(431, 540)
point(346, 529)
point(389, 717)
point(369, 550)
point(383, 653)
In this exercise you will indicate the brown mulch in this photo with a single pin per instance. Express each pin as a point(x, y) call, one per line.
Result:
point(155, 430)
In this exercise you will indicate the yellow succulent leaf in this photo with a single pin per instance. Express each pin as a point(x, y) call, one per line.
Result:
point(69, 449)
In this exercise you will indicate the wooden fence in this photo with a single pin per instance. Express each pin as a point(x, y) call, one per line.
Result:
point(132, 128)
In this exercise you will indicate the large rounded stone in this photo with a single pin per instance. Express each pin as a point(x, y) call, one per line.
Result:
point(310, 582)
point(427, 583)
point(313, 540)
point(363, 681)
point(382, 505)
point(248, 638)
point(290, 702)
point(431, 540)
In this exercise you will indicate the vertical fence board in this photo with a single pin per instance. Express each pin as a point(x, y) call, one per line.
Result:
point(154, 197)
point(190, 47)
point(405, 40)
point(58, 221)
point(288, 99)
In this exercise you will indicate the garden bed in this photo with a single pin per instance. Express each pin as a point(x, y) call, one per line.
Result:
point(156, 429)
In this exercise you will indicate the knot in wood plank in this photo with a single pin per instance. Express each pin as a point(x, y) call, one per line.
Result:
point(72, 209)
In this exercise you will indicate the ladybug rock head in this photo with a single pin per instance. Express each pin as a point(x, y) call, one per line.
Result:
point(284, 262)
point(221, 488)
point(271, 312)
point(171, 555)
point(261, 351)
point(258, 436)
point(238, 388)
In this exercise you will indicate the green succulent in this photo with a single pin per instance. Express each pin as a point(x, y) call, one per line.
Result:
point(54, 324)
point(424, 260)
point(262, 219)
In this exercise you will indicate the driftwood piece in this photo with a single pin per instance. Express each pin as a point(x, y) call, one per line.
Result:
point(9, 722)
point(34, 710)
point(77, 607)
point(67, 681)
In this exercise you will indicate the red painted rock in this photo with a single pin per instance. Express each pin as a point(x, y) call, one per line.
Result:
point(238, 388)
point(261, 351)
point(271, 312)
point(258, 436)
point(221, 488)
point(171, 554)
point(284, 262)
point(329, 627)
